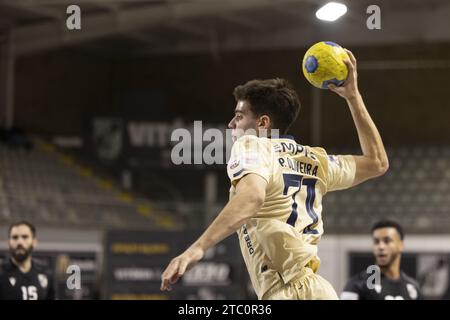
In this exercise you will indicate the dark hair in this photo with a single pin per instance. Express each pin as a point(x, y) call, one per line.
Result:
point(23, 223)
point(273, 97)
point(389, 224)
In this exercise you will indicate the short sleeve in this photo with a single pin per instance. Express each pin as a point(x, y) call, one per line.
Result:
point(51, 288)
point(352, 290)
point(341, 172)
point(250, 154)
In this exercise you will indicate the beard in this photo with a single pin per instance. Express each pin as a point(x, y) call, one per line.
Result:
point(388, 261)
point(20, 254)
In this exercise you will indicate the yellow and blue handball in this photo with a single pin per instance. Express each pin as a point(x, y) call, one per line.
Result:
point(323, 64)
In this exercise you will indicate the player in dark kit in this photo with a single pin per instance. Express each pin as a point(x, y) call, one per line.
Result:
point(394, 284)
point(21, 277)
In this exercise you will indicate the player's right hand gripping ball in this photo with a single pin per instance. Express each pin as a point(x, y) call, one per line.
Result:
point(323, 64)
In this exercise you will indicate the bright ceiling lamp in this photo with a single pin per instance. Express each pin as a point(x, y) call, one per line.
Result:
point(331, 11)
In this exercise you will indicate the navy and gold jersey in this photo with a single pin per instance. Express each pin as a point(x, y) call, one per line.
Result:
point(283, 237)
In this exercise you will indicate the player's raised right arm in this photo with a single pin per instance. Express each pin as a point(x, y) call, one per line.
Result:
point(374, 161)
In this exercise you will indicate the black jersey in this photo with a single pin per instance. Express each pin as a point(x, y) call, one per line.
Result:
point(36, 284)
point(357, 288)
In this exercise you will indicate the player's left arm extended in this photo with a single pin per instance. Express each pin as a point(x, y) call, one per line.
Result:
point(249, 198)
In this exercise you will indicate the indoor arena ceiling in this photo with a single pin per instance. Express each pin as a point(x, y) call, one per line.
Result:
point(175, 26)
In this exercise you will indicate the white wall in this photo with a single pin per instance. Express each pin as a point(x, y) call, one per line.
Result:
point(61, 239)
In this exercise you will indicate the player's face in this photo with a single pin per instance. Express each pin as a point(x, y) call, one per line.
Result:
point(243, 119)
point(387, 246)
point(21, 242)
